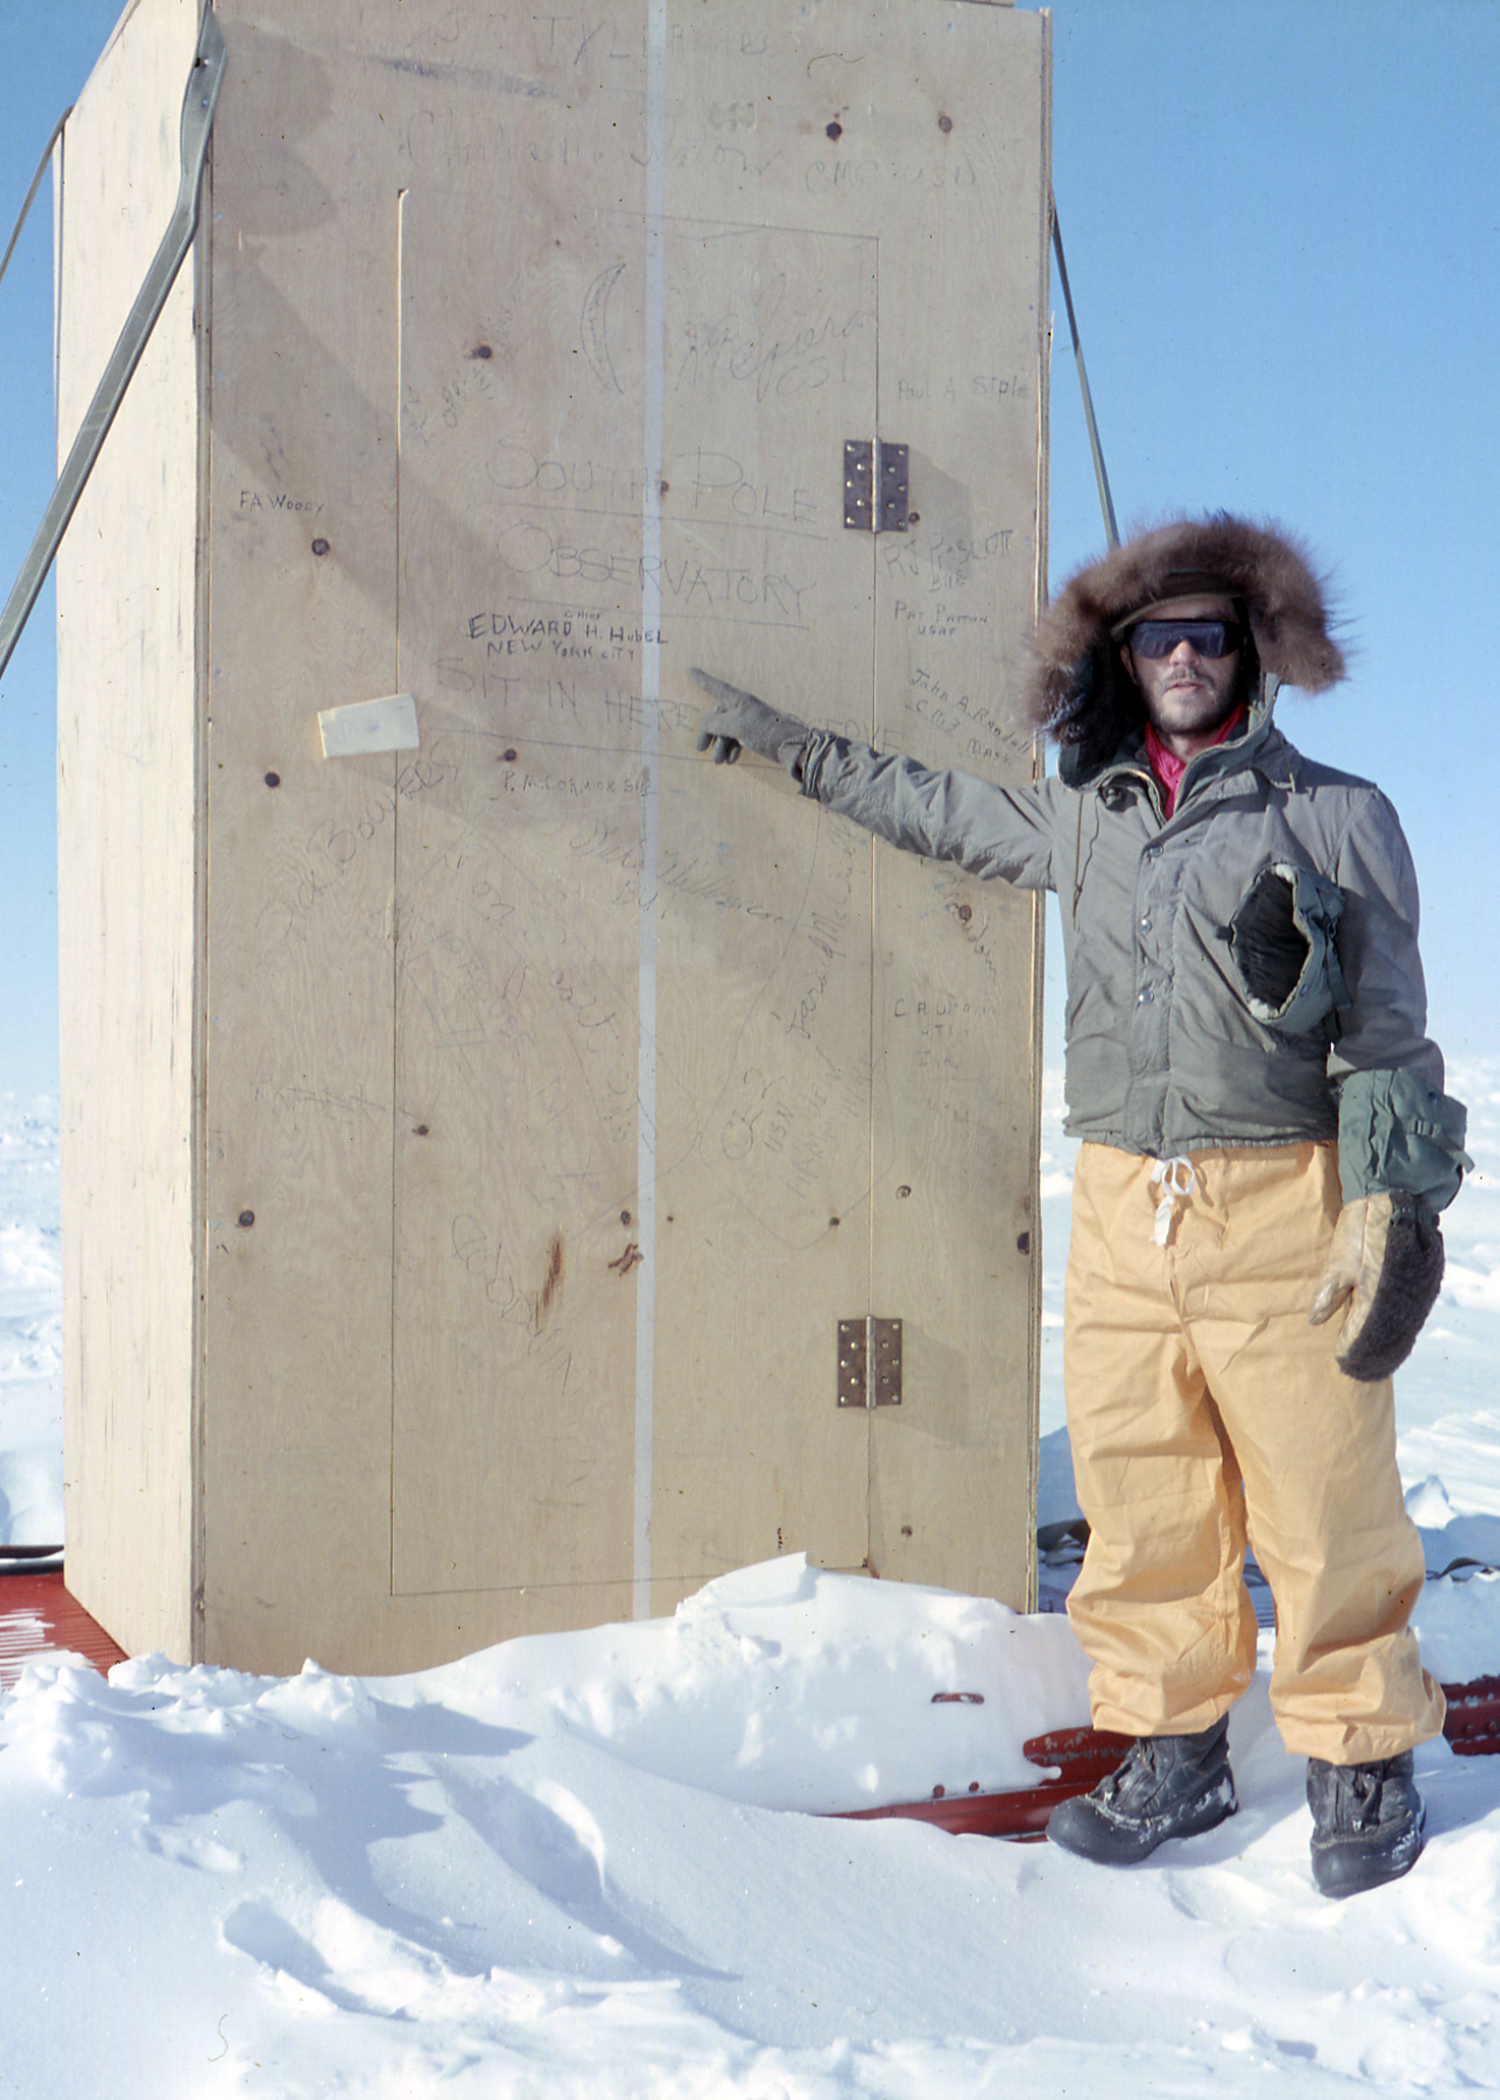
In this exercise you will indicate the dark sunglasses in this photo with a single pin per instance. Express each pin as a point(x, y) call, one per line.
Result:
point(1156, 638)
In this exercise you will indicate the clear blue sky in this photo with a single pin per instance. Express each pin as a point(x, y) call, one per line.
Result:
point(1282, 220)
point(47, 51)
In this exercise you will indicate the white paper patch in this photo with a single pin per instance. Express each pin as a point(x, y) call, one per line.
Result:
point(370, 725)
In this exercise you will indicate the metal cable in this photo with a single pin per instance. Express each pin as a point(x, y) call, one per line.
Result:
point(197, 121)
point(36, 183)
point(1101, 476)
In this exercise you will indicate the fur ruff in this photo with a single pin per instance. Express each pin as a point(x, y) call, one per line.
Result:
point(1077, 692)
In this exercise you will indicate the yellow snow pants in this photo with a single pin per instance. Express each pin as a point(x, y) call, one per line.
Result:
point(1203, 1411)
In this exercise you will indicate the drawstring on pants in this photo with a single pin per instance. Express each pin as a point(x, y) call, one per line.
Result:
point(1177, 1180)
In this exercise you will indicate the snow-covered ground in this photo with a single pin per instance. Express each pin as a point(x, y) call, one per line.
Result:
point(591, 1864)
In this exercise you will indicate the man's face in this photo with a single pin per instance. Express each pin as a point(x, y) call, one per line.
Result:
point(1186, 695)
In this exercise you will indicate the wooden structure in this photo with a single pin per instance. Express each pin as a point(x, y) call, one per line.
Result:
point(475, 1140)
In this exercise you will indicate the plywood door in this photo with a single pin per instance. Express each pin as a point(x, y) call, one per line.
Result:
point(612, 1144)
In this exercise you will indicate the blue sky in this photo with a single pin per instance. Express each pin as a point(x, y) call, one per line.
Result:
point(1282, 221)
point(47, 50)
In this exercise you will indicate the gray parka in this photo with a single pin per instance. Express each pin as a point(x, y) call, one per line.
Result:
point(1243, 972)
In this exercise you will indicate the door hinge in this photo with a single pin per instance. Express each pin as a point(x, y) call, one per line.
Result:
point(869, 1363)
point(875, 486)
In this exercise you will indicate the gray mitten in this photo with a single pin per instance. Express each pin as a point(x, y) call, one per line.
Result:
point(1386, 1263)
point(740, 719)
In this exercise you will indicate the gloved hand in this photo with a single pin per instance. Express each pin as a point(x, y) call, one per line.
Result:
point(1386, 1261)
point(739, 718)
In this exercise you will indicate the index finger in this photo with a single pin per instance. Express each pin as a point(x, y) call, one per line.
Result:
point(717, 688)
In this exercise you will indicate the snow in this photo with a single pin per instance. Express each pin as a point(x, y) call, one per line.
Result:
point(595, 1864)
point(31, 1511)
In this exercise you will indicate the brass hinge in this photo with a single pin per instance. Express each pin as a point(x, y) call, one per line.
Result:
point(869, 1363)
point(875, 486)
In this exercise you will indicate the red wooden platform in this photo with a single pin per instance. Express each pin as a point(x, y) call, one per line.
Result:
point(38, 1617)
point(1080, 1757)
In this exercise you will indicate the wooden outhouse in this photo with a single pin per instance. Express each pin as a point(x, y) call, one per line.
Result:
point(514, 1170)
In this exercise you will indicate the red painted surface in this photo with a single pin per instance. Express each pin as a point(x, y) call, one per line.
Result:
point(1473, 1723)
point(1082, 1756)
point(39, 1617)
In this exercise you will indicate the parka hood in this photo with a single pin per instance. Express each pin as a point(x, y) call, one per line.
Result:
point(1078, 694)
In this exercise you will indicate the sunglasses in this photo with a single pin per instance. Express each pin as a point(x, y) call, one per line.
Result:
point(1157, 638)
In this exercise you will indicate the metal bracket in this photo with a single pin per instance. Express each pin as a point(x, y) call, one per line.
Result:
point(869, 1363)
point(875, 486)
point(197, 121)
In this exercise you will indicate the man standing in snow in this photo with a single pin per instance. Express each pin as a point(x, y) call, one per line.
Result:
point(1266, 1143)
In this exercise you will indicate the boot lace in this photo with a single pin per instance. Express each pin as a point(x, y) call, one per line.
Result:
point(1364, 1785)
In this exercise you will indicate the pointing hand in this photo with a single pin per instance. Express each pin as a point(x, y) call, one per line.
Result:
point(738, 719)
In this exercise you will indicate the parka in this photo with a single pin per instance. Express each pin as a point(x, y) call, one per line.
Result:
point(1243, 972)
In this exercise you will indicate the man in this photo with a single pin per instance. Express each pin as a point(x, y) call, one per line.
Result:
point(1266, 1143)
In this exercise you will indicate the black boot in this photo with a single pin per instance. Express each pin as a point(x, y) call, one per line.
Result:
point(1169, 1786)
point(1367, 1823)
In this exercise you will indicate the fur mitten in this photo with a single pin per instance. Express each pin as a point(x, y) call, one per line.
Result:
point(1386, 1261)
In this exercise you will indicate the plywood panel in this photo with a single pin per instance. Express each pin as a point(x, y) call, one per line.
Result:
point(919, 129)
point(763, 1009)
point(301, 540)
point(130, 856)
point(958, 979)
point(634, 1083)
point(517, 1023)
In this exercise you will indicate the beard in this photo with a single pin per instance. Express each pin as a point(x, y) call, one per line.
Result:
point(1190, 708)
point(1194, 704)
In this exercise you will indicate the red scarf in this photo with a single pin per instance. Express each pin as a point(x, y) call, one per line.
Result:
point(1169, 769)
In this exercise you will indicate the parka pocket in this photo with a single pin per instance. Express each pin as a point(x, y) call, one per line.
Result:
point(1282, 944)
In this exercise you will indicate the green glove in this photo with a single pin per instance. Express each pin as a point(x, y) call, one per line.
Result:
point(1386, 1262)
point(740, 719)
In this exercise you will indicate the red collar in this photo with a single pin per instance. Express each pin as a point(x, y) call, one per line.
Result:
point(1169, 769)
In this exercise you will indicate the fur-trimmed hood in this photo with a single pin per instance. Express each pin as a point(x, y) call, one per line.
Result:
point(1077, 691)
